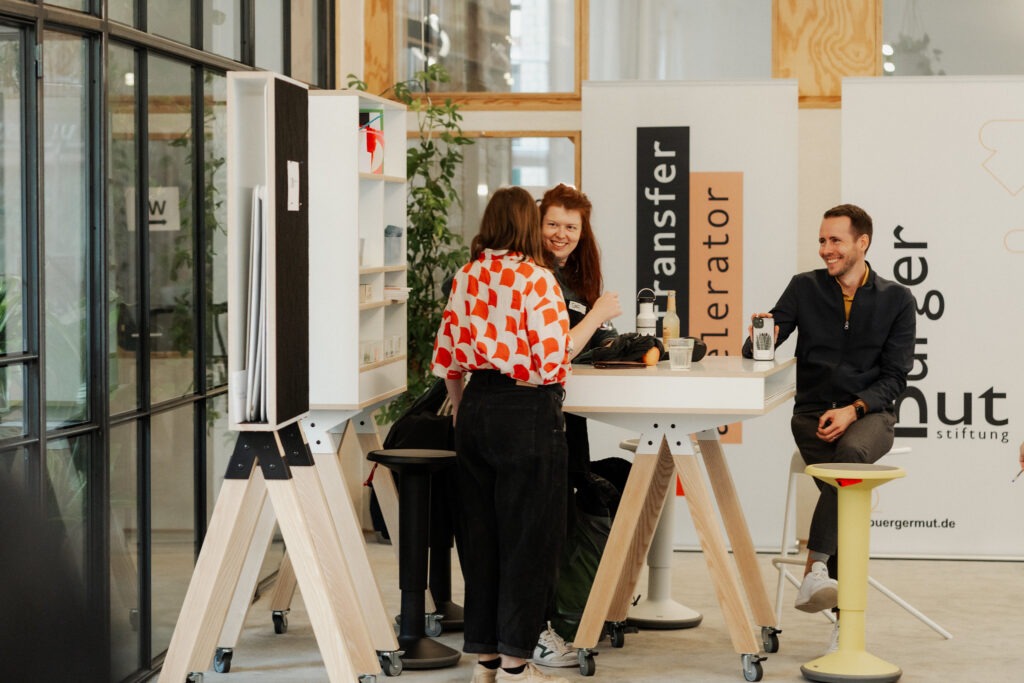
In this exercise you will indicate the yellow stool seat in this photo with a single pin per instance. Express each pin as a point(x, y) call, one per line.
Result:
point(853, 482)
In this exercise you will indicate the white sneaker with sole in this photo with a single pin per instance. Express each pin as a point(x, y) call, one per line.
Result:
point(833, 645)
point(818, 591)
point(553, 651)
point(531, 674)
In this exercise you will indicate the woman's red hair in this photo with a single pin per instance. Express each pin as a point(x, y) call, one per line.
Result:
point(582, 269)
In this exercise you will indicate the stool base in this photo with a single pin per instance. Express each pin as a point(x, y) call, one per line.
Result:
point(851, 667)
point(453, 618)
point(426, 653)
point(662, 614)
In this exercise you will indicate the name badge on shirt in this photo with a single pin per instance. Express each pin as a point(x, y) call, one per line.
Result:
point(578, 306)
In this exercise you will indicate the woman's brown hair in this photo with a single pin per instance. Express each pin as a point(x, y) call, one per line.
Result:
point(582, 269)
point(511, 221)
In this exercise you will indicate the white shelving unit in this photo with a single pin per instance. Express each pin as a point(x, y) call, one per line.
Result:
point(357, 334)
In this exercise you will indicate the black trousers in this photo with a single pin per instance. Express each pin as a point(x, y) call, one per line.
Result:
point(865, 441)
point(512, 457)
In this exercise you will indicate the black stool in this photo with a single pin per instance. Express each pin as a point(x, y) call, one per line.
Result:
point(415, 465)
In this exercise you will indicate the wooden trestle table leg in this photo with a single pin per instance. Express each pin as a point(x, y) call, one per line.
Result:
point(736, 527)
point(723, 578)
point(284, 585)
point(343, 513)
point(248, 578)
point(303, 497)
point(630, 519)
point(653, 504)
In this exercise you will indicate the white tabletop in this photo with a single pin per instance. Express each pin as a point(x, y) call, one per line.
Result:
point(716, 390)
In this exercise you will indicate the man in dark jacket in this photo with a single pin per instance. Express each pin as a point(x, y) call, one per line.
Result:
point(854, 350)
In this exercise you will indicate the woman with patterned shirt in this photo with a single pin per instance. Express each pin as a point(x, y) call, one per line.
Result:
point(506, 323)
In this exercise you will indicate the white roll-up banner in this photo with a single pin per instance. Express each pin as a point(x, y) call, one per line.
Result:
point(694, 187)
point(939, 165)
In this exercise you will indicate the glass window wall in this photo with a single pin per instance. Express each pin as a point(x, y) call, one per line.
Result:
point(67, 491)
point(79, 5)
point(222, 27)
point(680, 40)
point(170, 19)
point(536, 163)
point(122, 11)
point(66, 226)
point(162, 242)
point(944, 37)
point(215, 218)
point(500, 46)
point(122, 234)
point(12, 291)
point(172, 229)
point(124, 551)
point(172, 514)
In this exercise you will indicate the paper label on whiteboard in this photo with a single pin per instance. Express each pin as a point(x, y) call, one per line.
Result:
point(293, 186)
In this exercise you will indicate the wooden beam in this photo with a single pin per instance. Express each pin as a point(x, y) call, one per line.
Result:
point(379, 45)
point(819, 42)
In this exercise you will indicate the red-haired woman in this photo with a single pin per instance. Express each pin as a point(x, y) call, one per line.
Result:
point(565, 225)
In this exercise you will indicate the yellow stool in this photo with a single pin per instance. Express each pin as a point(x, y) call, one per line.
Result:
point(852, 662)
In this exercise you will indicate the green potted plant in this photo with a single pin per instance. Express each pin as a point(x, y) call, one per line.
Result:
point(435, 252)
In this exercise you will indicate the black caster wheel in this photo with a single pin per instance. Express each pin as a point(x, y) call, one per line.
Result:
point(616, 634)
point(222, 660)
point(432, 625)
point(280, 618)
point(194, 677)
point(752, 670)
point(770, 639)
point(390, 663)
point(587, 664)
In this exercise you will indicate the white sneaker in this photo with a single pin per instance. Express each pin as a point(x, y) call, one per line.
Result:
point(833, 645)
point(818, 591)
point(553, 651)
point(531, 674)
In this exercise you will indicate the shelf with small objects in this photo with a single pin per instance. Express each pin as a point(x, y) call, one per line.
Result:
point(357, 321)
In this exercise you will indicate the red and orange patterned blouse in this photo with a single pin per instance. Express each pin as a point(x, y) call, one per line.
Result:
point(505, 313)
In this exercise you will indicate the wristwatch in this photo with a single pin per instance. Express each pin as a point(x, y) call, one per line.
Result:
point(860, 408)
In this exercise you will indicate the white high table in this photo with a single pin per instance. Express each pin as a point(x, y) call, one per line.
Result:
point(670, 409)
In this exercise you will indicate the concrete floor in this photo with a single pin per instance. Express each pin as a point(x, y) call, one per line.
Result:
point(976, 601)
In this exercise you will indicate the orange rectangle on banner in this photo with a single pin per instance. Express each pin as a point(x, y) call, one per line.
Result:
point(716, 268)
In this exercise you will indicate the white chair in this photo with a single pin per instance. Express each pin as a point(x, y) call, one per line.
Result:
point(789, 547)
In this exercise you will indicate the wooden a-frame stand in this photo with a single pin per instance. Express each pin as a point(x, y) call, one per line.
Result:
point(279, 465)
point(326, 429)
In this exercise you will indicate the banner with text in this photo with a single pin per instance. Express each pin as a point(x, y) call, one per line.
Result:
point(686, 188)
point(939, 164)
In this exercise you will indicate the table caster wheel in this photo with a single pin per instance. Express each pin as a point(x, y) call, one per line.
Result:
point(280, 618)
point(770, 638)
point(367, 678)
point(586, 659)
point(752, 670)
point(432, 626)
point(222, 660)
point(390, 662)
point(616, 633)
point(194, 677)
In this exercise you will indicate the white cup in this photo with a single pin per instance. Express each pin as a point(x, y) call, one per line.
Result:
point(680, 352)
